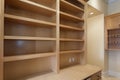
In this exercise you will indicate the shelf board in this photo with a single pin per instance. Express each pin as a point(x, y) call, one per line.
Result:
point(70, 17)
point(76, 40)
point(113, 29)
point(25, 57)
point(70, 6)
point(70, 27)
point(113, 49)
point(82, 2)
point(71, 51)
point(29, 21)
point(27, 38)
point(31, 6)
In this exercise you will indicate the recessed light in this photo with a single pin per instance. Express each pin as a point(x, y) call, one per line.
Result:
point(91, 13)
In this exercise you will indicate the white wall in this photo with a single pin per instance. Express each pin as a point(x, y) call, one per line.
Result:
point(114, 7)
point(99, 5)
point(95, 40)
point(114, 56)
point(114, 63)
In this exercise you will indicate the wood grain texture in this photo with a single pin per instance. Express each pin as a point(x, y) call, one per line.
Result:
point(1, 37)
point(32, 6)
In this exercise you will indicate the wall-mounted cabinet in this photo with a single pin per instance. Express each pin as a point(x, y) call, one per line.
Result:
point(41, 36)
point(113, 32)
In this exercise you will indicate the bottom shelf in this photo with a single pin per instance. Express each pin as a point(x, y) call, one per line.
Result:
point(78, 72)
point(15, 70)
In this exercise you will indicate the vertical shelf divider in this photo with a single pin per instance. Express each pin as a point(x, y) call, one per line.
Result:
point(1, 38)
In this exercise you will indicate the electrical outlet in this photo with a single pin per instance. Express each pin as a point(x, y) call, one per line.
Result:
point(73, 59)
point(70, 60)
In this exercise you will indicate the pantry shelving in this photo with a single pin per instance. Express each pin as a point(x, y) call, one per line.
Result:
point(40, 36)
point(72, 30)
point(112, 32)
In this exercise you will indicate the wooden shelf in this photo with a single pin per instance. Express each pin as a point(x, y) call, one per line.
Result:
point(113, 29)
point(31, 6)
point(24, 57)
point(70, 27)
point(82, 2)
point(27, 38)
point(113, 49)
point(70, 6)
point(30, 21)
point(71, 51)
point(70, 17)
point(76, 40)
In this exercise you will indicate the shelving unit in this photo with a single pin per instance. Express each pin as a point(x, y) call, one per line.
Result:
point(112, 32)
point(71, 32)
point(40, 36)
point(29, 39)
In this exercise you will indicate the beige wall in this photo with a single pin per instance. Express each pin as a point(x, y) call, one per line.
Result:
point(99, 5)
point(95, 40)
point(114, 7)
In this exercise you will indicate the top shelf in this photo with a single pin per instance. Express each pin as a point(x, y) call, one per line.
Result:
point(31, 6)
point(70, 6)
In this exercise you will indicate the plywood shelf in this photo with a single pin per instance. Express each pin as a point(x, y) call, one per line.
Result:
point(113, 29)
point(31, 6)
point(113, 49)
point(82, 2)
point(70, 17)
point(24, 57)
point(30, 21)
point(76, 40)
point(70, 27)
point(27, 38)
point(70, 6)
point(71, 51)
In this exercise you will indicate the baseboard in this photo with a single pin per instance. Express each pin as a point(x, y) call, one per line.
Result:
point(114, 74)
point(105, 73)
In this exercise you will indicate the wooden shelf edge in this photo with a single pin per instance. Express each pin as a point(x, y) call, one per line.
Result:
point(71, 51)
point(71, 16)
point(82, 2)
point(112, 49)
point(27, 38)
point(72, 5)
point(25, 19)
point(37, 5)
point(76, 40)
point(113, 29)
point(70, 27)
point(25, 57)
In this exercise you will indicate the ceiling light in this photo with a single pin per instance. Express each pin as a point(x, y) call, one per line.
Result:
point(91, 13)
